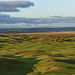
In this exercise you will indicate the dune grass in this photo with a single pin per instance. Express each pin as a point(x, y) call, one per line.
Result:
point(37, 54)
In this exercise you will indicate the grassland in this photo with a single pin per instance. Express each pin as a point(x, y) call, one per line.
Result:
point(37, 54)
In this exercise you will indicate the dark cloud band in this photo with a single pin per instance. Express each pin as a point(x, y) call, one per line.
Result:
point(12, 6)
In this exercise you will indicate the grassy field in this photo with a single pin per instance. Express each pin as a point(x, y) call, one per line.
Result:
point(37, 54)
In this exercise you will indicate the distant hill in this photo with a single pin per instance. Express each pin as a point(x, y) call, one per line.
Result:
point(26, 30)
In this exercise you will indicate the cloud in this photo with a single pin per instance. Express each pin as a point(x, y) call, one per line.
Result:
point(19, 22)
point(53, 19)
point(13, 5)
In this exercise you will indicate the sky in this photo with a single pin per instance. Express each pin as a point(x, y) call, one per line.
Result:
point(37, 13)
point(46, 8)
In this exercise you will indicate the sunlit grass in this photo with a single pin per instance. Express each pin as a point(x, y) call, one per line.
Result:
point(37, 54)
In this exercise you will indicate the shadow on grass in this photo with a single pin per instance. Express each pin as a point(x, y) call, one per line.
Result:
point(16, 66)
point(57, 55)
point(69, 61)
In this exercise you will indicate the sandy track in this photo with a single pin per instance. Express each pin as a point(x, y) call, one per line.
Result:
point(48, 33)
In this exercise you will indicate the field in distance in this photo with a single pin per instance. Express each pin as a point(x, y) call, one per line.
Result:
point(37, 54)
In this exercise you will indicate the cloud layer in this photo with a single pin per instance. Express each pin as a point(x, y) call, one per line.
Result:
point(53, 19)
point(12, 6)
point(19, 22)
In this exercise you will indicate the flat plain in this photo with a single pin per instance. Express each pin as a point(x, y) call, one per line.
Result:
point(52, 54)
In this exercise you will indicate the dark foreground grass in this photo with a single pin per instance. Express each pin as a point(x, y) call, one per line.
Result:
point(37, 54)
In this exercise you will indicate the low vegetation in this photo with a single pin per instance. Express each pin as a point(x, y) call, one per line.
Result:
point(37, 54)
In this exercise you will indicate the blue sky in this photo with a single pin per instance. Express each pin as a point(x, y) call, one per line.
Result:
point(42, 10)
point(46, 8)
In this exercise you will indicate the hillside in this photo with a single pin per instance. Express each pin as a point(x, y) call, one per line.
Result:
point(26, 30)
point(37, 54)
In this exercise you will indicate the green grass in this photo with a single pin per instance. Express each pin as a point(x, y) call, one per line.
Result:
point(37, 54)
